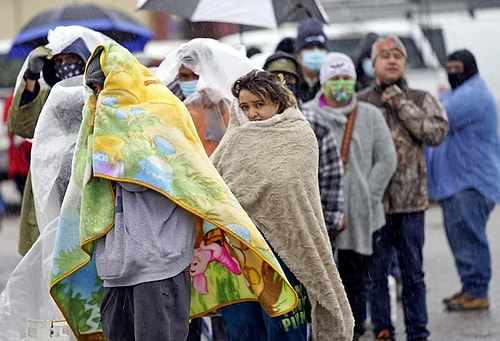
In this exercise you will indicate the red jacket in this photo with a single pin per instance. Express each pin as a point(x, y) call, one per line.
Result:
point(18, 155)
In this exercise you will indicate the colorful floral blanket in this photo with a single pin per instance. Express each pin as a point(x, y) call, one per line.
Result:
point(139, 132)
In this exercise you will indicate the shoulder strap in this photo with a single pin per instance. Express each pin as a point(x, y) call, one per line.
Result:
point(346, 141)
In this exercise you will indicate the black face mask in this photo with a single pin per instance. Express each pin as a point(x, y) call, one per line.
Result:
point(457, 79)
point(294, 88)
point(470, 67)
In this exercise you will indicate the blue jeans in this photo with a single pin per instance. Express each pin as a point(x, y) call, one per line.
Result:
point(247, 321)
point(404, 232)
point(465, 217)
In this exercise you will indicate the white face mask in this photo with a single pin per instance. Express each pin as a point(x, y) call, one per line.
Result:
point(367, 67)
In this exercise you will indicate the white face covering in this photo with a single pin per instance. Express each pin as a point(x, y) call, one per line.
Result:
point(367, 67)
point(210, 62)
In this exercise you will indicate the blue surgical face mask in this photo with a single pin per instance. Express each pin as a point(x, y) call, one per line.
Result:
point(188, 88)
point(312, 59)
point(367, 67)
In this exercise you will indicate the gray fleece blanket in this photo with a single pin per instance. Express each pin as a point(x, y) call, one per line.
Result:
point(271, 166)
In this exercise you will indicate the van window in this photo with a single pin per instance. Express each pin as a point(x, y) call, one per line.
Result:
point(414, 59)
point(350, 45)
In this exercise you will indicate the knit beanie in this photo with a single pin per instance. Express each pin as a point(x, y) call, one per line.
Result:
point(94, 72)
point(386, 44)
point(335, 64)
point(287, 45)
point(310, 33)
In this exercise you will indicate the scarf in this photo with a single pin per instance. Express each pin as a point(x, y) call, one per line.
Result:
point(271, 166)
point(137, 131)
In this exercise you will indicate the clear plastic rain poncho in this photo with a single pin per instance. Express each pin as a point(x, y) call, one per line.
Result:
point(60, 38)
point(26, 295)
point(218, 65)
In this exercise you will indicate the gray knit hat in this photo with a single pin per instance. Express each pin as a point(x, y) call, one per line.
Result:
point(386, 44)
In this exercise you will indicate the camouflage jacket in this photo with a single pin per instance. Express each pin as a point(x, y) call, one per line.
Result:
point(418, 120)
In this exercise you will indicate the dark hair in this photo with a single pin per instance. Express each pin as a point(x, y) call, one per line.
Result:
point(287, 45)
point(265, 85)
point(94, 73)
point(253, 51)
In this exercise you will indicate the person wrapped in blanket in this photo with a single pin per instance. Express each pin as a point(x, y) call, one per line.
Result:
point(144, 298)
point(269, 159)
point(141, 191)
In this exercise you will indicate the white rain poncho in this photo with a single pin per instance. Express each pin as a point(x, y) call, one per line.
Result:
point(217, 64)
point(26, 295)
point(60, 38)
point(53, 146)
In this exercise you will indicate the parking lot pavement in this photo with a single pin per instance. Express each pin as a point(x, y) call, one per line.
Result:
point(441, 280)
point(9, 257)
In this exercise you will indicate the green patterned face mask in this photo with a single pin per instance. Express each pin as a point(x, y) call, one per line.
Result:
point(340, 91)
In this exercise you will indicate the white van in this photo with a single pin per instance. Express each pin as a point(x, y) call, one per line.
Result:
point(424, 70)
point(155, 51)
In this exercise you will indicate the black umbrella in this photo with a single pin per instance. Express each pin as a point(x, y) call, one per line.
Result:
point(110, 21)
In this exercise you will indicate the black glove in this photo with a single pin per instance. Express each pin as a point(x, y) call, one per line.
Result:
point(36, 60)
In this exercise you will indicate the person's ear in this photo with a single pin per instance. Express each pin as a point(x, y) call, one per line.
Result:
point(277, 105)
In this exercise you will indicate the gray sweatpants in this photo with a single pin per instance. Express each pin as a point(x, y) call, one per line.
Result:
point(152, 311)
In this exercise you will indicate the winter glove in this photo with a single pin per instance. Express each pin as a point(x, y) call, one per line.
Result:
point(36, 60)
point(393, 96)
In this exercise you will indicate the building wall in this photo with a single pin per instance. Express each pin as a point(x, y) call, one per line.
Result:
point(14, 14)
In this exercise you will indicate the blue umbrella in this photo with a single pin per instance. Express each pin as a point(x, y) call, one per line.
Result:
point(110, 21)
